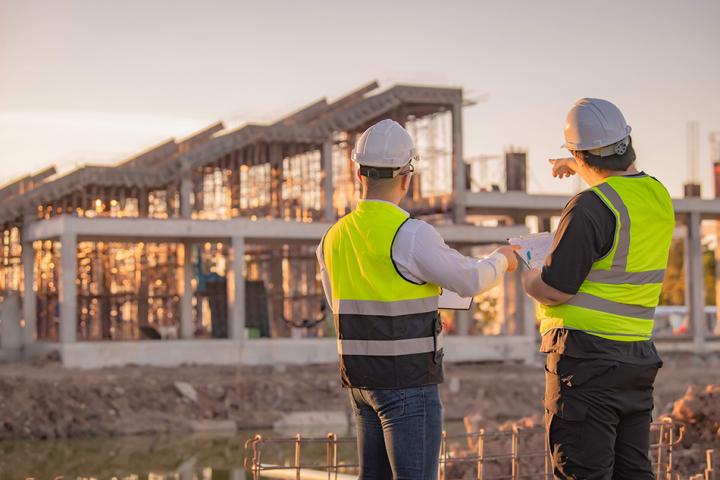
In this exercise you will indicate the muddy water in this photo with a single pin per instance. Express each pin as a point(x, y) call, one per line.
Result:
point(181, 457)
point(171, 457)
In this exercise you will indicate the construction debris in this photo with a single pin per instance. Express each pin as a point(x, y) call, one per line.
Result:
point(187, 391)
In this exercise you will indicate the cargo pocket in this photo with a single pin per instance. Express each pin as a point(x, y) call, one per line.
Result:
point(573, 372)
point(565, 425)
point(564, 413)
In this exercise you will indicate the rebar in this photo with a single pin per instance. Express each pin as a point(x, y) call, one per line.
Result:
point(670, 434)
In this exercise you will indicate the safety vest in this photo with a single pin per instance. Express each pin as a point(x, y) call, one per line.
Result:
point(388, 327)
point(617, 300)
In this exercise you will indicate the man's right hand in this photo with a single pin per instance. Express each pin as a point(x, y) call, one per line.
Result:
point(508, 252)
point(563, 167)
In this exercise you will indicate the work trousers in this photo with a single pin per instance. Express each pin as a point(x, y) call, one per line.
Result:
point(598, 414)
point(398, 432)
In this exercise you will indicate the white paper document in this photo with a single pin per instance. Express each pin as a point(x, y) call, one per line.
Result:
point(452, 301)
point(533, 248)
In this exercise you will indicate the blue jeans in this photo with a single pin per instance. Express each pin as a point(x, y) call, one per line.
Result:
point(398, 432)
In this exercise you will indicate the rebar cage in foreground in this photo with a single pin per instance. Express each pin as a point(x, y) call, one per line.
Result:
point(513, 454)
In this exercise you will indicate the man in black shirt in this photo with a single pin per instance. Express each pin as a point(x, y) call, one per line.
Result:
point(597, 292)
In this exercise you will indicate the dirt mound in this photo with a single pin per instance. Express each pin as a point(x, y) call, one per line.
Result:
point(699, 410)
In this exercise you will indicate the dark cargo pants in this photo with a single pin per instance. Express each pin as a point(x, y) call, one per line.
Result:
point(598, 414)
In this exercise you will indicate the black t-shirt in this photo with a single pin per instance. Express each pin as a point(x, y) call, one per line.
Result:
point(586, 234)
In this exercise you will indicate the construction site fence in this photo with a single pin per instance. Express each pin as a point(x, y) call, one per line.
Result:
point(482, 455)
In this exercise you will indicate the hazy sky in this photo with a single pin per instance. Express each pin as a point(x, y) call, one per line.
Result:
point(96, 81)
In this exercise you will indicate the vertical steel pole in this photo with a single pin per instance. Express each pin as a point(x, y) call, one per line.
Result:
point(443, 456)
point(298, 441)
point(328, 455)
point(335, 454)
point(671, 440)
point(481, 453)
point(514, 452)
point(257, 453)
point(659, 451)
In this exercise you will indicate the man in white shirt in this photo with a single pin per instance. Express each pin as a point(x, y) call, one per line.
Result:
point(383, 273)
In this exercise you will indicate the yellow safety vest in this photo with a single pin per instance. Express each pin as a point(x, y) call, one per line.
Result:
point(617, 300)
point(388, 327)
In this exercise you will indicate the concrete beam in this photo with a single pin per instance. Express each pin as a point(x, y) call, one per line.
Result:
point(173, 230)
point(162, 353)
point(269, 351)
point(514, 202)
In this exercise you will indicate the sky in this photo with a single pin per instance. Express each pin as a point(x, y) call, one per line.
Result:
point(97, 81)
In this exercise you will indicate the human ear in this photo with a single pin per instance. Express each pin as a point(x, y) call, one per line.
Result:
point(405, 182)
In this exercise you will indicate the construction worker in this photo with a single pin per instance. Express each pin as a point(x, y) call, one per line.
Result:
point(597, 294)
point(383, 272)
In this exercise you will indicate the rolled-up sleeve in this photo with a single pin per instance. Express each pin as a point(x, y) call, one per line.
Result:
point(422, 254)
point(324, 274)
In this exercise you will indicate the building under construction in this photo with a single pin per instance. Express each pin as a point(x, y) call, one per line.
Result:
point(205, 246)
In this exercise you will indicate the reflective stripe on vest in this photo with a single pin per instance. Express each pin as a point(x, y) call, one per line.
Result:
point(390, 348)
point(389, 331)
point(373, 307)
point(617, 300)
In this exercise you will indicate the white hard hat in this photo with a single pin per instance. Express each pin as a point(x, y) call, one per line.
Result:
point(384, 145)
point(593, 123)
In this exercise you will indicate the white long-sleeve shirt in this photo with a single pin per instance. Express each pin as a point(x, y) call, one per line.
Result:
point(421, 255)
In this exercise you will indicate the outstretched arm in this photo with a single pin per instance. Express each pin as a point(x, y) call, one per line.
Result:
point(422, 255)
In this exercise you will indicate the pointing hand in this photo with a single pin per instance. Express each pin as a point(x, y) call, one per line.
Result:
point(563, 167)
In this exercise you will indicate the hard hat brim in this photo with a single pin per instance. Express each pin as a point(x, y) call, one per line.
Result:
point(581, 147)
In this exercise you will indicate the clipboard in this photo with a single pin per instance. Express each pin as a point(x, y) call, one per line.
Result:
point(450, 300)
point(534, 248)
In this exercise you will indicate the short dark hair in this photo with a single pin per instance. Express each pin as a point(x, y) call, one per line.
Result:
point(612, 162)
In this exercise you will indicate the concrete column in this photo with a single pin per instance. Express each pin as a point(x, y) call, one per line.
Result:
point(695, 282)
point(29, 294)
point(186, 323)
point(143, 203)
point(508, 299)
point(530, 327)
point(716, 330)
point(463, 318)
point(276, 180)
point(520, 306)
point(186, 188)
point(68, 288)
point(458, 165)
point(236, 289)
point(10, 330)
point(327, 181)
